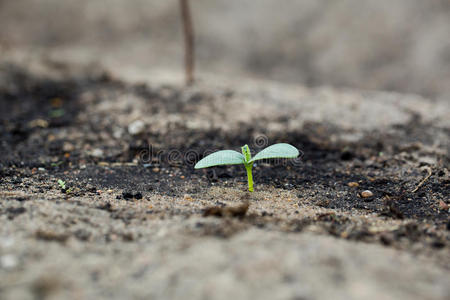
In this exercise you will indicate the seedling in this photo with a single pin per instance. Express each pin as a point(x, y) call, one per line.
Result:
point(56, 164)
point(230, 157)
point(62, 185)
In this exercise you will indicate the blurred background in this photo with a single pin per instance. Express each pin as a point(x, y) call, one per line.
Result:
point(401, 45)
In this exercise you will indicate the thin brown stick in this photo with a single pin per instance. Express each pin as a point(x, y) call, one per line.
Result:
point(188, 41)
point(423, 181)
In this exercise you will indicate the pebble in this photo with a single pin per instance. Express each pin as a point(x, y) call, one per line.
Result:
point(136, 127)
point(353, 184)
point(443, 205)
point(90, 188)
point(97, 152)
point(427, 160)
point(127, 195)
point(38, 123)
point(68, 147)
point(366, 194)
point(8, 261)
point(117, 133)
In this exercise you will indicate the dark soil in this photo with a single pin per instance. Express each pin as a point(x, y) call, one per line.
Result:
point(38, 114)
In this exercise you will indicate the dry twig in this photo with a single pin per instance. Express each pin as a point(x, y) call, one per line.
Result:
point(423, 181)
point(188, 41)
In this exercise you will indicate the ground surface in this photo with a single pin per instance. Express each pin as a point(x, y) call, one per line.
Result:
point(135, 220)
point(90, 94)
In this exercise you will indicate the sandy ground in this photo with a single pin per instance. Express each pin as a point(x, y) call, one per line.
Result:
point(306, 235)
point(100, 106)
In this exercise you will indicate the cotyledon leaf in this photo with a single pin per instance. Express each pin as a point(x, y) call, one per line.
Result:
point(223, 157)
point(281, 150)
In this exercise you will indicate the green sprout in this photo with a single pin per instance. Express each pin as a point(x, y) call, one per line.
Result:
point(56, 113)
point(57, 164)
point(230, 157)
point(62, 184)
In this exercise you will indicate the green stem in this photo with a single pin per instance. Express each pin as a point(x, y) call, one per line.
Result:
point(249, 176)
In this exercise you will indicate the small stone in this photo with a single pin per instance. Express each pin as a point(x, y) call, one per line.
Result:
point(127, 195)
point(347, 155)
point(97, 152)
point(427, 160)
point(40, 169)
point(68, 147)
point(82, 234)
point(38, 123)
point(187, 197)
point(111, 237)
point(366, 194)
point(8, 261)
point(353, 184)
point(386, 238)
point(156, 170)
point(117, 133)
point(90, 188)
point(443, 205)
point(323, 203)
point(136, 127)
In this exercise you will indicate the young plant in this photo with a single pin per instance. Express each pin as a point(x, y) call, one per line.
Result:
point(230, 157)
point(62, 185)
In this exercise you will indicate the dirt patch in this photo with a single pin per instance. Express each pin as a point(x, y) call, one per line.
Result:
point(377, 186)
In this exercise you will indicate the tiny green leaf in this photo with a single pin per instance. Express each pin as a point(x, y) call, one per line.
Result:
point(223, 157)
point(230, 157)
point(281, 150)
point(62, 184)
